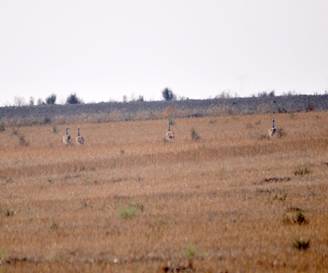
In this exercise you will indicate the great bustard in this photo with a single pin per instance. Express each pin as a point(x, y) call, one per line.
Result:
point(67, 139)
point(169, 135)
point(79, 138)
point(273, 130)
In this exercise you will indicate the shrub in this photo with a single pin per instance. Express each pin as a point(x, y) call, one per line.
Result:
point(54, 129)
point(54, 226)
point(301, 244)
point(190, 251)
point(194, 135)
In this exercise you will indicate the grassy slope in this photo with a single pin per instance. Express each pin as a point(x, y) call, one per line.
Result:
point(208, 200)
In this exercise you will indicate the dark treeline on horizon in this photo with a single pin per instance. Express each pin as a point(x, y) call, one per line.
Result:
point(167, 95)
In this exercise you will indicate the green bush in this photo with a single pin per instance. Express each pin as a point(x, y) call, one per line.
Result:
point(130, 211)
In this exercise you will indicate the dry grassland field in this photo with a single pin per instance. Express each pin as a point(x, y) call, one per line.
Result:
point(232, 201)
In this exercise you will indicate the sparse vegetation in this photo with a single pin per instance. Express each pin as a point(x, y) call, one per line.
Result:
point(150, 206)
point(190, 251)
point(281, 132)
point(7, 212)
point(14, 132)
point(54, 226)
point(265, 94)
point(301, 244)
point(2, 127)
point(154, 110)
point(22, 141)
point(282, 196)
point(194, 135)
point(3, 256)
point(294, 216)
point(171, 121)
point(302, 170)
point(130, 211)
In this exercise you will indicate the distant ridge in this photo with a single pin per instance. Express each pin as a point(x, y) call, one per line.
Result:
point(117, 111)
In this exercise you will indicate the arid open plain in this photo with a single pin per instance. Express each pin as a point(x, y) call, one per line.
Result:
point(233, 200)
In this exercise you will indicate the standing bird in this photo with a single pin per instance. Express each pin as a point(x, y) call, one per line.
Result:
point(79, 138)
point(67, 139)
point(169, 136)
point(273, 130)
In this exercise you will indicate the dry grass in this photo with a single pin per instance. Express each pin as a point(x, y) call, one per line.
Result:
point(127, 202)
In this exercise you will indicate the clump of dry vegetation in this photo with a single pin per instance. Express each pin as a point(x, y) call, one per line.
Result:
point(142, 201)
point(280, 132)
point(54, 226)
point(7, 212)
point(275, 179)
point(294, 216)
point(20, 137)
point(194, 134)
point(302, 170)
point(54, 129)
point(280, 196)
point(301, 244)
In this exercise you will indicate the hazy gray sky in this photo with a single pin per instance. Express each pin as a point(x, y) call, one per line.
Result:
point(103, 49)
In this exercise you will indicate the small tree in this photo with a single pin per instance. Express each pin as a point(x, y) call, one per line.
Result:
point(73, 99)
point(51, 99)
point(266, 94)
point(40, 102)
point(31, 101)
point(168, 95)
point(19, 101)
point(140, 98)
